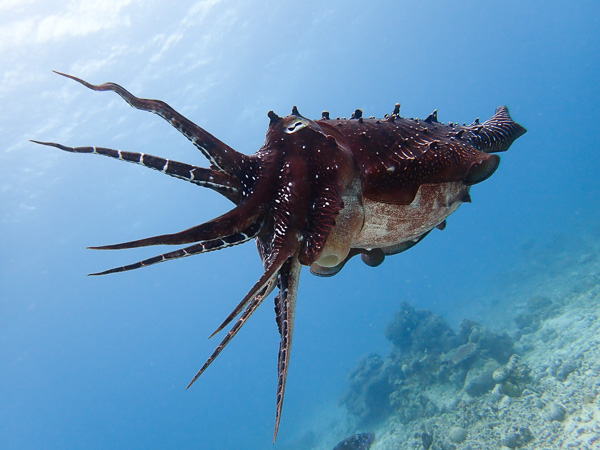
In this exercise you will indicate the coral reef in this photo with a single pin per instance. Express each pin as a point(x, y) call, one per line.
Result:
point(367, 398)
point(536, 387)
point(427, 356)
point(419, 331)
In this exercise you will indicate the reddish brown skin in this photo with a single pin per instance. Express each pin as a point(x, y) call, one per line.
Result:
point(318, 193)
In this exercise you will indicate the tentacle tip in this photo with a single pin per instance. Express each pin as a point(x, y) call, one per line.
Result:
point(192, 382)
point(104, 272)
point(72, 77)
point(106, 247)
point(65, 75)
point(40, 142)
point(54, 144)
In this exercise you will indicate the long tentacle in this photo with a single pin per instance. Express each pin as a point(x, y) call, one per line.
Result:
point(224, 184)
point(254, 298)
point(285, 310)
point(240, 218)
point(201, 247)
point(217, 152)
point(254, 304)
point(271, 272)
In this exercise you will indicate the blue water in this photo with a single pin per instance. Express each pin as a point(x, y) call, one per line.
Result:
point(103, 362)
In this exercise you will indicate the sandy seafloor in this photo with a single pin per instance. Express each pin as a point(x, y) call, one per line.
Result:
point(549, 306)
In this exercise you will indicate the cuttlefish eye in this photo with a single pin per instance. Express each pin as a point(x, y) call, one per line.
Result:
point(294, 125)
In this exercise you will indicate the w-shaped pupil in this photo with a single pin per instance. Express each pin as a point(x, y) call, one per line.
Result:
point(294, 126)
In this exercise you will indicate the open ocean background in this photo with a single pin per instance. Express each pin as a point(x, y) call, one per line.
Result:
point(103, 362)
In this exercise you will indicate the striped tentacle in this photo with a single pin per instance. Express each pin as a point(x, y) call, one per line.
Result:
point(271, 271)
point(253, 305)
point(240, 218)
point(251, 301)
point(285, 310)
point(201, 247)
point(219, 154)
point(220, 182)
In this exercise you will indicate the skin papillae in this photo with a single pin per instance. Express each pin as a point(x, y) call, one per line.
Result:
point(318, 193)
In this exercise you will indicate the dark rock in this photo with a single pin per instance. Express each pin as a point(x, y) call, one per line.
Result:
point(426, 440)
point(457, 435)
point(367, 397)
point(538, 309)
point(410, 404)
point(480, 380)
point(538, 302)
point(360, 441)
point(517, 437)
point(498, 346)
point(557, 412)
point(525, 321)
point(419, 331)
point(566, 368)
point(512, 390)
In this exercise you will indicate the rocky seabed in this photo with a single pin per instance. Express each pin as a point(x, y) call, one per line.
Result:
point(533, 387)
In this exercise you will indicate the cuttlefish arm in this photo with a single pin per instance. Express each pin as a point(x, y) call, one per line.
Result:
point(285, 310)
